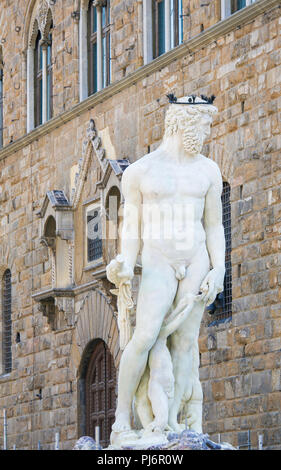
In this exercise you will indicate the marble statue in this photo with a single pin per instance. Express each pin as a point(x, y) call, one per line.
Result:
point(173, 218)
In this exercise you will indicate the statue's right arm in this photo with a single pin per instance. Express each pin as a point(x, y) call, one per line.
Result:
point(131, 231)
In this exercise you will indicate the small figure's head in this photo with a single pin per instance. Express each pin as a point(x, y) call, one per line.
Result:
point(190, 118)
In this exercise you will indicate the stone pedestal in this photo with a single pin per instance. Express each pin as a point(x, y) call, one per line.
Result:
point(187, 440)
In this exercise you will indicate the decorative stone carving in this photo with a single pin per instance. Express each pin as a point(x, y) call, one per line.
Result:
point(99, 3)
point(42, 14)
point(65, 306)
point(94, 142)
point(167, 193)
point(58, 306)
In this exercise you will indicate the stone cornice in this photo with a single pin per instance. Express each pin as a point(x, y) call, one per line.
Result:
point(203, 39)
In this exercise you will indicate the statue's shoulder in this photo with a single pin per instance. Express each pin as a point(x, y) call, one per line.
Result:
point(211, 165)
point(142, 164)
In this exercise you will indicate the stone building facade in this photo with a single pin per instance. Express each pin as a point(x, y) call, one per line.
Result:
point(57, 314)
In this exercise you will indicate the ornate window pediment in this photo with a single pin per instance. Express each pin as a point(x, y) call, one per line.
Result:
point(96, 185)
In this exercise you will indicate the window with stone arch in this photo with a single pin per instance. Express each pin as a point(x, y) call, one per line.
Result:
point(6, 307)
point(95, 46)
point(39, 67)
point(162, 27)
point(221, 308)
point(1, 98)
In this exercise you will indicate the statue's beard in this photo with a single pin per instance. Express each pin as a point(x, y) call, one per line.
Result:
point(192, 141)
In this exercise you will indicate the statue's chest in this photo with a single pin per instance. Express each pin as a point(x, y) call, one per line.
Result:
point(180, 182)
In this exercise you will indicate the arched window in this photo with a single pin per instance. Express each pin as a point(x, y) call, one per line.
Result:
point(39, 74)
point(1, 99)
point(6, 322)
point(38, 81)
point(221, 308)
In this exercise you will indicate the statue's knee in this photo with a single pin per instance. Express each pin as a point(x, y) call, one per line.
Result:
point(143, 342)
point(183, 343)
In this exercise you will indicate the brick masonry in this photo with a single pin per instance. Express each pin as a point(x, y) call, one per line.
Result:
point(240, 360)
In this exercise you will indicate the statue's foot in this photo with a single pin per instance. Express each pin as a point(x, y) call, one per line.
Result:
point(155, 427)
point(124, 438)
point(175, 426)
point(122, 423)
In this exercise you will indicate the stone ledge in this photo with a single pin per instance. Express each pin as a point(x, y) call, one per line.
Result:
point(238, 19)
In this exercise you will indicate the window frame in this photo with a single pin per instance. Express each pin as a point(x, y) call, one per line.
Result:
point(91, 208)
point(226, 7)
point(91, 40)
point(38, 82)
point(156, 29)
point(99, 76)
point(39, 102)
point(50, 75)
point(176, 17)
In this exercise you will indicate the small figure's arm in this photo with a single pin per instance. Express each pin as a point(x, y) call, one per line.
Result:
point(213, 282)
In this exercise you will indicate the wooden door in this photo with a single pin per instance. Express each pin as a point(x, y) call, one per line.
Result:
point(100, 393)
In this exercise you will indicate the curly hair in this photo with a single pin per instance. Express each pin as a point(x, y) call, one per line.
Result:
point(187, 119)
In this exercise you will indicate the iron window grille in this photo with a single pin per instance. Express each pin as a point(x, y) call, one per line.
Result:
point(221, 308)
point(7, 322)
point(94, 240)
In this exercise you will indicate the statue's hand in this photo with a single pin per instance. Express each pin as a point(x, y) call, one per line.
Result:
point(118, 271)
point(212, 285)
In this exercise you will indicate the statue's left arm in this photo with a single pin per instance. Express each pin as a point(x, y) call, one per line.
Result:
point(215, 240)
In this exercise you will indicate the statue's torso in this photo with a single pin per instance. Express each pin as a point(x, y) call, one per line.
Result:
point(173, 198)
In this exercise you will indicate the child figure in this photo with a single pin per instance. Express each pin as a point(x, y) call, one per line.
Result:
point(161, 379)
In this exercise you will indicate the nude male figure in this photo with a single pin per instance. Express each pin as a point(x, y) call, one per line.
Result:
point(175, 179)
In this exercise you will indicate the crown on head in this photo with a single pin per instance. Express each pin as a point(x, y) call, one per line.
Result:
point(191, 99)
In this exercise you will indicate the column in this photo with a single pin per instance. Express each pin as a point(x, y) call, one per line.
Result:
point(147, 31)
point(30, 90)
point(167, 25)
point(83, 54)
point(99, 47)
point(44, 46)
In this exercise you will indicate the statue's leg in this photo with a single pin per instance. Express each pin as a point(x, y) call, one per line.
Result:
point(157, 292)
point(195, 402)
point(142, 402)
point(185, 364)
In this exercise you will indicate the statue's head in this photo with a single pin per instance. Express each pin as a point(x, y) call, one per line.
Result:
point(190, 118)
